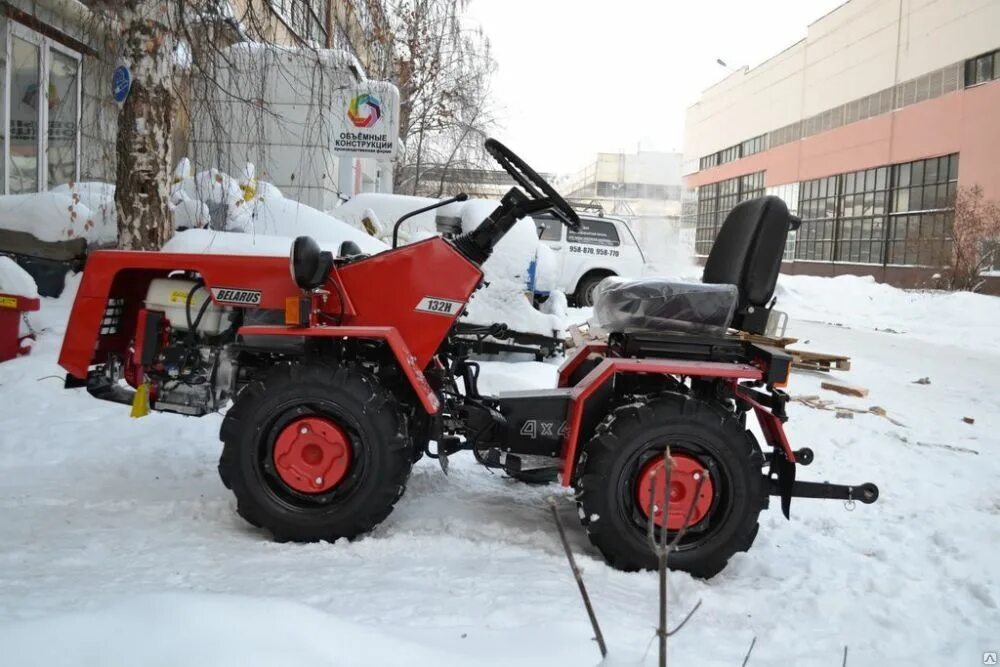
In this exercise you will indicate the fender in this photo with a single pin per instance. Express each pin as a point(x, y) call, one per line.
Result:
point(612, 366)
point(582, 353)
point(407, 362)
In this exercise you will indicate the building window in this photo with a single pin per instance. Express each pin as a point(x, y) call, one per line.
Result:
point(788, 193)
point(43, 92)
point(982, 68)
point(818, 210)
point(886, 215)
point(706, 223)
point(740, 150)
point(716, 200)
point(862, 210)
point(755, 145)
point(305, 18)
point(751, 186)
point(923, 210)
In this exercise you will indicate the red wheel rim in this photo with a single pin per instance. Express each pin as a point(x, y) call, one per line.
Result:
point(683, 484)
point(312, 455)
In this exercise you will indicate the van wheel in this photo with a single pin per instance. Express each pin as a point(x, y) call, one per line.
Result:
point(584, 295)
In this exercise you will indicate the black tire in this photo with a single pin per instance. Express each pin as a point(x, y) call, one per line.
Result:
point(356, 402)
point(627, 439)
point(584, 294)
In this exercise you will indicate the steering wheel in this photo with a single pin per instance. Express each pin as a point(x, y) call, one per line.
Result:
point(536, 186)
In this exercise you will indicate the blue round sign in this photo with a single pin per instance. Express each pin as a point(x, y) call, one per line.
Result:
point(121, 83)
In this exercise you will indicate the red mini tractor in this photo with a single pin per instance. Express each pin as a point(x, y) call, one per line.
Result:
point(343, 370)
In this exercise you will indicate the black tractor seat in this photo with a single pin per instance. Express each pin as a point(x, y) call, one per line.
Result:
point(737, 285)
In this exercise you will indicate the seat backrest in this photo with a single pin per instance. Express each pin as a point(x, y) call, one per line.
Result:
point(748, 249)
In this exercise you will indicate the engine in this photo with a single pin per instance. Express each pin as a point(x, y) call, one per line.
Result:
point(182, 348)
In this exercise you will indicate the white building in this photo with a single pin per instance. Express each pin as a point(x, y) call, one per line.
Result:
point(283, 109)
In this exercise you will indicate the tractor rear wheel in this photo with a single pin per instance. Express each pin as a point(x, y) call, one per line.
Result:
point(623, 464)
point(315, 452)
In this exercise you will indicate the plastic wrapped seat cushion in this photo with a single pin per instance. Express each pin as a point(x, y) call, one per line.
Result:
point(656, 304)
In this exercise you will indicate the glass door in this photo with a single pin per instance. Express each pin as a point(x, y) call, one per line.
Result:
point(26, 100)
point(62, 149)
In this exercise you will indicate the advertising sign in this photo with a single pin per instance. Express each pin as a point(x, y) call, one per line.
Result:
point(366, 120)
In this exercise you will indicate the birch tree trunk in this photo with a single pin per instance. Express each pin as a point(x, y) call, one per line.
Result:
point(144, 151)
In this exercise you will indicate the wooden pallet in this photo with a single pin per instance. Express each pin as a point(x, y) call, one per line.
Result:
point(819, 361)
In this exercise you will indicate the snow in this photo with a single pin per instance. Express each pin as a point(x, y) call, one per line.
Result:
point(286, 217)
point(390, 208)
point(505, 301)
point(546, 269)
point(206, 241)
point(121, 546)
point(100, 199)
point(56, 216)
point(171, 629)
point(15, 281)
point(860, 302)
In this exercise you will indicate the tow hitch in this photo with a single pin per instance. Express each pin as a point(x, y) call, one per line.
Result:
point(781, 482)
point(865, 493)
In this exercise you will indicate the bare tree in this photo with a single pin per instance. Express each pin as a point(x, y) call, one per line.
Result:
point(197, 93)
point(443, 70)
point(143, 145)
point(976, 238)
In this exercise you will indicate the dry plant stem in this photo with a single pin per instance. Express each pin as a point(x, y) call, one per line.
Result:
point(663, 548)
point(579, 580)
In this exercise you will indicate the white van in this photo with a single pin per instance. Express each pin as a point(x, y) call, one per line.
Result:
point(602, 247)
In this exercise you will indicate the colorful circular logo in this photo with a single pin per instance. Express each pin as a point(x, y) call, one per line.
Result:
point(365, 110)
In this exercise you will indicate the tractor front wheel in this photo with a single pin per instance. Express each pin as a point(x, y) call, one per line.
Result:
point(315, 452)
point(623, 480)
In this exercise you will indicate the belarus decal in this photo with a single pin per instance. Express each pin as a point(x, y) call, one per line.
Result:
point(430, 304)
point(240, 297)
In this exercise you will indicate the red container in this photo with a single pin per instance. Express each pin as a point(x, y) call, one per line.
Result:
point(11, 309)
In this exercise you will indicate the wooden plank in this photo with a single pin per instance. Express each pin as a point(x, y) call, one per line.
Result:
point(773, 341)
point(846, 389)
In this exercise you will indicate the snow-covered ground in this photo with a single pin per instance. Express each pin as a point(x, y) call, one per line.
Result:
point(120, 545)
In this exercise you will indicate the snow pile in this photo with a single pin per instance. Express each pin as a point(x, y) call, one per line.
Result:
point(202, 629)
point(387, 209)
point(100, 199)
point(206, 241)
point(15, 281)
point(289, 218)
point(860, 302)
point(253, 208)
point(59, 216)
point(546, 269)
